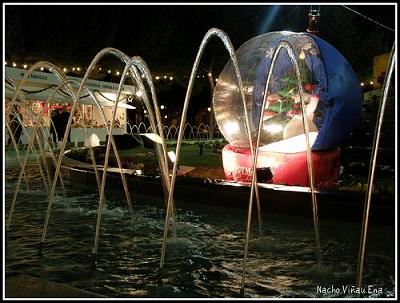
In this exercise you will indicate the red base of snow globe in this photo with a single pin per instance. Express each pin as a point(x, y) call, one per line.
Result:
point(282, 168)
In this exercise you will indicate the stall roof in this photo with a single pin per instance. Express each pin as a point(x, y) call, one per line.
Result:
point(40, 86)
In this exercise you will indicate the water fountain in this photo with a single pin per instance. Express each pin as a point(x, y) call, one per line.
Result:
point(371, 174)
point(136, 67)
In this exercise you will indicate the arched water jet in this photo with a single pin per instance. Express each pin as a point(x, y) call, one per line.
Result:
point(9, 121)
point(102, 115)
point(228, 45)
point(204, 131)
point(31, 141)
point(132, 131)
point(15, 144)
point(176, 134)
point(144, 70)
point(130, 66)
point(61, 77)
point(67, 82)
point(192, 132)
point(166, 132)
point(142, 125)
point(371, 174)
point(76, 82)
point(54, 127)
point(288, 47)
point(58, 73)
point(161, 151)
point(130, 128)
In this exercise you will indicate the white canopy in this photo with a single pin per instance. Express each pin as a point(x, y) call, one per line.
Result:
point(41, 85)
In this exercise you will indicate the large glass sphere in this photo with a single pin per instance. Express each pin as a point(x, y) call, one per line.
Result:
point(332, 92)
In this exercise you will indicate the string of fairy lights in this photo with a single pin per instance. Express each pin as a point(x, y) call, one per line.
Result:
point(77, 70)
point(118, 73)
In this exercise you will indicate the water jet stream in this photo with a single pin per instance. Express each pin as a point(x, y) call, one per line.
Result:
point(32, 137)
point(15, 144)
point(288, 47)
point(228, 45)
point(129, 66)
point(371, 174)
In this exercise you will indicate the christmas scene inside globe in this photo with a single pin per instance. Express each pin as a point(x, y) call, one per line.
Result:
point(333, 104)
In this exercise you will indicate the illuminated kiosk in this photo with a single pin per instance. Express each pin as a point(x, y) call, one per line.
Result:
point(333, 99)
point(41, 85)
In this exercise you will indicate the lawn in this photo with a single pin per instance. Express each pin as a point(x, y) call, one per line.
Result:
point(207, 164)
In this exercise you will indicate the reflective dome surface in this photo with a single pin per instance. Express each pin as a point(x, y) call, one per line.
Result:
point(331, 89)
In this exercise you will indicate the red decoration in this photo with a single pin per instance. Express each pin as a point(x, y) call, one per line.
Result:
point(287, 168)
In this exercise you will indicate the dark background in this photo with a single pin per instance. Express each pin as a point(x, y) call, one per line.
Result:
point(167, 37)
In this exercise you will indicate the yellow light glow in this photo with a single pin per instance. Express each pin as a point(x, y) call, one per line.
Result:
point(162, 106)
point(14, 64)
point(79, 69)
point(25, 66)
point(372, 83)
point(362, 83)
point(73, 69)
point(172, 156)
point(232, 127)
point(117, 73)
point(109, 96)
point(109, 71)
point(171, 78)
point(294, 144)
point(139, 93)
point(273, 128)
point(302, 55)
point(99, 68)
point(157, 78)
point(216, 80)
point(209, 74)
point(209, 109)
point(165, 116)
point(145, 111)
point(153, 137)
point(142, 76)
point(65, 69)
point(5, 62)
point(165, 77)
point(41, 68)
point(93, 140)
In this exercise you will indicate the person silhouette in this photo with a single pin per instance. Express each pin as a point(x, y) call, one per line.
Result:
point(53, 124)
point(60, 123)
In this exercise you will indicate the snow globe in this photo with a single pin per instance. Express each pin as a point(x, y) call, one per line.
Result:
point(333, 104)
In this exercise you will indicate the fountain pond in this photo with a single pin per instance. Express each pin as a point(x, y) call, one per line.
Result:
point(204, 260)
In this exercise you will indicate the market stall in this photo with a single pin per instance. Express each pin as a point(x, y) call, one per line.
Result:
point(42, 85)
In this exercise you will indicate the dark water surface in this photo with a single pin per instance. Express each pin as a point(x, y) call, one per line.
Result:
point(205, 258)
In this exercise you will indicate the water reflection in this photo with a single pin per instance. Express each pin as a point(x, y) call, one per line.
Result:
point(203, 261)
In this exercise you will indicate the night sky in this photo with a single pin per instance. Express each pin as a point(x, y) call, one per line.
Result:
point(167, 37)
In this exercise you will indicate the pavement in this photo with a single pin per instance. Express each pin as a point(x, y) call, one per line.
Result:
point(26, 286)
